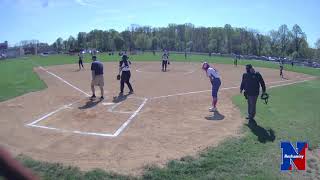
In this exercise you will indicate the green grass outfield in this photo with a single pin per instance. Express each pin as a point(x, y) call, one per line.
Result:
point(292, 114)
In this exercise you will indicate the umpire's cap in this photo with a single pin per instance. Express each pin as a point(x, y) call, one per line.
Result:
point(94, 57)
point(248, 67)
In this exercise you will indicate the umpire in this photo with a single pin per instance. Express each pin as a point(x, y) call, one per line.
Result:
point(124, 67)
point(251, 82)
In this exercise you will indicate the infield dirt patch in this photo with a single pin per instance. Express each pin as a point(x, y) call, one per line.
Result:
point(167, 117)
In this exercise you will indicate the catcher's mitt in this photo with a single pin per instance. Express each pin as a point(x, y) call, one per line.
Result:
point(245, 94)
point(118, 77)
point(265, 97)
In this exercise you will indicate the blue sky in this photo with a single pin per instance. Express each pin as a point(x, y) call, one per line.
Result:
point(46, 20)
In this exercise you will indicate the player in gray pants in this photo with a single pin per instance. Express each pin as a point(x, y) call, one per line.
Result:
point(251, 82)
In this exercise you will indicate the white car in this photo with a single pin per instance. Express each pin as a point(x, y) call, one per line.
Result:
point(271, 59)
point(3, 56)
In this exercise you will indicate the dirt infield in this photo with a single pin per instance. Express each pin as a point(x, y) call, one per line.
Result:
point(167, 117)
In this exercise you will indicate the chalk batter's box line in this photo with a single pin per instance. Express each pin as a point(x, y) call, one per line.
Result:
point(116, 133)
point(111, 109)
point(78, 89)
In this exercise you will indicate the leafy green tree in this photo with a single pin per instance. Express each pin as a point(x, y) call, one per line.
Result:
point(317, 44)
point(228, 34)
point(284, 35)
point(127, 38)
point(65, 45)
point(297, 38)
point(181, 37)
point(82, 41)
point(154, 43)
point(317, 50)
point(143, 42)
point(212, 46)
point(189, 46)
point(58, 45)
point(118, 42)
point(274, 43)
point(164, 42)
point(72, 43)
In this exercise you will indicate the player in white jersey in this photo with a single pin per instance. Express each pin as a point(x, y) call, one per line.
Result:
point(124, 69)
point(165, 61)
point(214, 77)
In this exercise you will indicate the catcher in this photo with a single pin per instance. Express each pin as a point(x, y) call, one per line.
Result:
point(124, 70)
point(251, 82)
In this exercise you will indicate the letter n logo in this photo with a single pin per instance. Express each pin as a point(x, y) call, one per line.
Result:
point(293, 156)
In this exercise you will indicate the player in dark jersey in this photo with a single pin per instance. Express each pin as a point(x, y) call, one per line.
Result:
point(97, 77)
point(281, 68)
point(235, 61)
point(124, 69)
point(80, 61)
point(251, 82)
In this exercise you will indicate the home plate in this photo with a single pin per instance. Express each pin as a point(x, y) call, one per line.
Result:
point(107, 103)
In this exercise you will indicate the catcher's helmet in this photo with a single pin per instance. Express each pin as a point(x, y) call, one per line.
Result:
point(265, 97)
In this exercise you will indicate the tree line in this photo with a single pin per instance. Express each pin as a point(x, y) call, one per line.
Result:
point(283, 42)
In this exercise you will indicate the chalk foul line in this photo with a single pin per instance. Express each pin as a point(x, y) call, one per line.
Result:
point(63, 80)
point(234, 87)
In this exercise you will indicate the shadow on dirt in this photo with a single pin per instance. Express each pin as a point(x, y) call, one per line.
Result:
point(120, 98)
point(90, 104)
point(216, 116)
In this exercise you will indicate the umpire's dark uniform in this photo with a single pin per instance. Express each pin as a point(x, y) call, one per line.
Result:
point(124, 66)
point(251, 82)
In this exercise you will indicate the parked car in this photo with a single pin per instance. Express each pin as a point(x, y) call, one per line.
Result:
point(3, 56)
point(44, 54)
point(316, 65)
point(271, 58)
